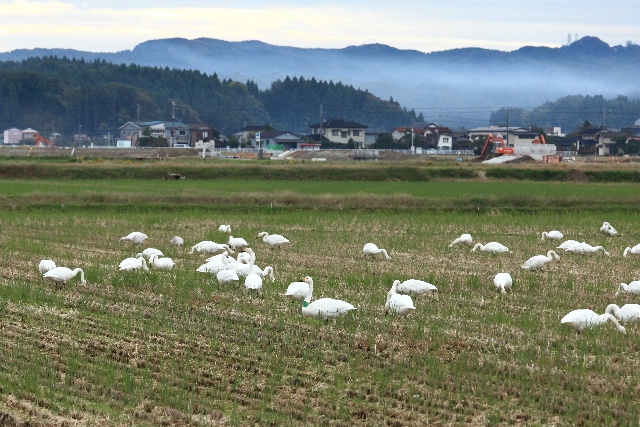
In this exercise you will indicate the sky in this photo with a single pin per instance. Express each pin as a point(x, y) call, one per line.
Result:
point(423, 25)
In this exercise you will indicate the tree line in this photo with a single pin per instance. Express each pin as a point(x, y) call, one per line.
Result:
point(571, 112)
point(70, 96)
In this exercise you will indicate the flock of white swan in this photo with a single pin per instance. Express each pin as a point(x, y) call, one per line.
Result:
point(229, 270)
point(399, 301)
point(580, 319)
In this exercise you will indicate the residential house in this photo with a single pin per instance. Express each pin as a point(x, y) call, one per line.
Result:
point(29, 133)
point(201, 133)
point(554, 130)
point(178, 133)
point(511, 135)
point(371, 137)
point(566, 143)
point(12, 136)
point(340, 131)
point(607, 142)
point(249, 134)
point(588, 140)
point(400, 132)
point(633, 129)
point(281, 140)
point(438, 137)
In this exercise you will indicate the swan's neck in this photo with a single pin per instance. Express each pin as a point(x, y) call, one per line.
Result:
point(626, 251)
point(307, 300)
point(613, 308)
point(79, 270)
point(478, 245)
point(613, 320)
point(544, 234)
point(252, 261)
point(622, 287)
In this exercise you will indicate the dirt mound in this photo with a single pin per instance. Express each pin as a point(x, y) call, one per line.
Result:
point(524, 159)
point(576, 175)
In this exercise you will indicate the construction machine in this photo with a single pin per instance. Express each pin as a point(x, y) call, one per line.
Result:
point(540, 140)
point(503, 148)
point(41, 139)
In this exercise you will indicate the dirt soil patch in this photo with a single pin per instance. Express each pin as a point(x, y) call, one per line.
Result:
point(576, 175)
point(524, 159)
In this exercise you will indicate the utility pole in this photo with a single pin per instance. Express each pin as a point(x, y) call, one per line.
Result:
point(507, 125)
point(173, 124)
point(321, 120)
point(138, 108)
point(413, 148)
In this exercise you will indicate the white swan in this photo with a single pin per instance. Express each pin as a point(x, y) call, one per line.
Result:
point(297, 290)
point(582, 319)
point(585, 248)
point(136, 237)
point(161, 263)
point(225, 228)
point(324, 308)
point(150, 251)
point(503, 282)
point(64, 274)
point(539, 261)
point(220, 257)
point(133, 264)
point(237, 242)
point(272, 239)
point(553, 235)
point(241, 267)
point(567, 244)
point(397, 303)
point(46, 265)
point(492, 247)
point(211, 267)
point(177, 241)
point(632, 288)
point(414, 287)
point(372, 249)
point(464, 239)
point(267, 272)
point(243, 256)
point(632, 250)
point(253, 281)
point(226, 276)
point(608, 229)
point(215, 264)
point(626, 313)
point(209, 247)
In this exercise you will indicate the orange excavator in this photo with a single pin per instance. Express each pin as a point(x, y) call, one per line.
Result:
point(539, 140)
point(503, 148)
point(41, 139)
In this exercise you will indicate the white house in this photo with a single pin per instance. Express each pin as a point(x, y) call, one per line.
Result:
point(12, 136)
point(173, 131)
point(340, 131)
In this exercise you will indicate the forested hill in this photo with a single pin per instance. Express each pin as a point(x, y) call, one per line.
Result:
point(571, 112)
point(100, 96)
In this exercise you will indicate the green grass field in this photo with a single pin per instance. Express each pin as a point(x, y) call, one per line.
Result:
point(176, 348)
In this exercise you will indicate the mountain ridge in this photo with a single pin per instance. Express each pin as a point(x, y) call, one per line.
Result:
point(433, 83)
